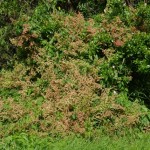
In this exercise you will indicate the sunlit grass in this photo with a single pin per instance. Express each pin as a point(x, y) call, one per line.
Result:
point(25, 142)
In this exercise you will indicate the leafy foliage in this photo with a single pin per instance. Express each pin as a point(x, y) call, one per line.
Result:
point(63, 72)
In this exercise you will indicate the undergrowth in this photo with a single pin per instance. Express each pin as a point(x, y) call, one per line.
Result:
point(62, 73)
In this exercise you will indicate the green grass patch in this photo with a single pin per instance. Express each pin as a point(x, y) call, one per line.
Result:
point(25, 142)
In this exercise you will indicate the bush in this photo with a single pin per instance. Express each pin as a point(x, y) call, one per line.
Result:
point(143, 18)
point(9, 13)
point(87, 7)
point(137, 54)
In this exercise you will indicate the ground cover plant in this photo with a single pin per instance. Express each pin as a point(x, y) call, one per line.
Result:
point(73, 71)
point(26, 142)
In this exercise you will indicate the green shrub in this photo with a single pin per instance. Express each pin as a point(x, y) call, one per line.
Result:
point(9, 13)
point(87, 7)
point(143, 18)
point(137, 54)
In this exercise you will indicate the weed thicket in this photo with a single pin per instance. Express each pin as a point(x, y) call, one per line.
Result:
point(63, 72)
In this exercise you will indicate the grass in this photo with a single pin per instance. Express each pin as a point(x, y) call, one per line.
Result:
point(25, 142)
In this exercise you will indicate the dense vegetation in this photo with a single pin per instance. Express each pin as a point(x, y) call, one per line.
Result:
point(74, 68)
